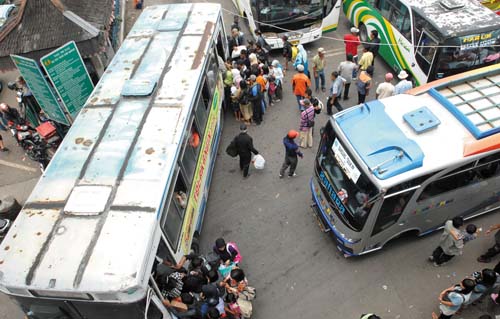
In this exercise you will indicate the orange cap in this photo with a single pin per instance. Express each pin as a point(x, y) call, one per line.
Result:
point(293, 134)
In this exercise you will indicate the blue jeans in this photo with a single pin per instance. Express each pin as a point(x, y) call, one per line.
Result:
point(299, 98)
point(321, 75)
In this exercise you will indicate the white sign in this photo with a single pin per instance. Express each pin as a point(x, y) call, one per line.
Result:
point(345, 161)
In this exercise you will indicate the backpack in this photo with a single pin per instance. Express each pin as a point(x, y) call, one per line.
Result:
point(295, 51)
point(233, 245)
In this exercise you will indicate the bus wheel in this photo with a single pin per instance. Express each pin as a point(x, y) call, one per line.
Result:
point(195, 245)
point(363, 33)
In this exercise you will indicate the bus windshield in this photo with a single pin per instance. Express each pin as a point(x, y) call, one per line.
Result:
point(468, 52)
point(351, 186)
point(287, 14)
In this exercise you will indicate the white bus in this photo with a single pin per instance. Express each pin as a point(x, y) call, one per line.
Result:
point(408, 163)
point(130, 180)
point(303, 21)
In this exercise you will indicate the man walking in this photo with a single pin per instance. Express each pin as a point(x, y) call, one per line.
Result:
point(319, 70)
point(291, 153)
point(300, 83)
point(451, 242)
point(346, 70)
point(403, 85)
point(306, 124)
point(351, 43)
point(385, 89)
point(244, 145)
point(335, 93)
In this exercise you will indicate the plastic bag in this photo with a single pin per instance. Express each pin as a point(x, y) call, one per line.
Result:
point(258, 161)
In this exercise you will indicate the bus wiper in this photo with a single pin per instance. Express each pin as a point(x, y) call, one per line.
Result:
point(379, 169)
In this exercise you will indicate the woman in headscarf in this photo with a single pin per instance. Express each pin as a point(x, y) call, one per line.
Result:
point(301, 58)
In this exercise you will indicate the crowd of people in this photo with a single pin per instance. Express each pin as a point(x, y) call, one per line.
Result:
point(253, 84)
point(211, 287)
point(475, 287)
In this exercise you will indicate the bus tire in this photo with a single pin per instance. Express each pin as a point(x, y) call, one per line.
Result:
point(363, 33)
point(404, 234)
point(9, 208)
point(195, 245)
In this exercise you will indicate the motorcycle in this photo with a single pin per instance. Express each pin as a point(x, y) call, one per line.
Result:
point(35, 147)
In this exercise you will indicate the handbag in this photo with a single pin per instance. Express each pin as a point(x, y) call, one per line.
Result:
point(246, 308)
point(231, 149)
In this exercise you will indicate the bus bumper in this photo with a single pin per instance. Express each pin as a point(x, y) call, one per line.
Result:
point(324, 221)
point(302, 36)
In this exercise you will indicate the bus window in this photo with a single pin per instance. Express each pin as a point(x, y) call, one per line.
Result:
point(456, 58)
point(191, 151)
point(172, 223)
point(391, 210)
point(153, 311)
point(426, 50)
point(201, 114)
point(458, 178)
point(206, 95)
point(489, 167)
point(212, 73)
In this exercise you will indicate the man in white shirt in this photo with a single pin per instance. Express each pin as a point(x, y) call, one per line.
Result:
point(385, 89)
point(403, 85)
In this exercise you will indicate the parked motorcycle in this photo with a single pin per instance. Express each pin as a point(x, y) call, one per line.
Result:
point(35, 147)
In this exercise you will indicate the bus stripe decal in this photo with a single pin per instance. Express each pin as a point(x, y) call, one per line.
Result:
point(357, 12)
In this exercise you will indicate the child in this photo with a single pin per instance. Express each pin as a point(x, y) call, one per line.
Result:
point(272, 90)
point(470, 233)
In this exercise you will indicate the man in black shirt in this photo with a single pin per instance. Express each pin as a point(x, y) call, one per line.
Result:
point(374, 45)
point(244, 145)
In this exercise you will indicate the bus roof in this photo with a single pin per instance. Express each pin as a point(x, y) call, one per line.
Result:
point(88, 225)
point(457, 17)
point(418, 134)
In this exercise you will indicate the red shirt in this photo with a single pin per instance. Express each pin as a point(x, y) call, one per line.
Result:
point(351, 44)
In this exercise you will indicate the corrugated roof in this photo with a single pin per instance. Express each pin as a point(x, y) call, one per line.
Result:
point(43, 27)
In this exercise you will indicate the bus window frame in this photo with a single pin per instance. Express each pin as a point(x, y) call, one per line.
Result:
point(166, 210)
point(392, 14)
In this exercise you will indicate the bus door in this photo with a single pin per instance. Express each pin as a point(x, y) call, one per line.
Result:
point(331, 12)
point(387, 220)
point(425, 52)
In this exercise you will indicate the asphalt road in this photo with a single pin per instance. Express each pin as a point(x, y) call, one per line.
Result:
point(295, 267)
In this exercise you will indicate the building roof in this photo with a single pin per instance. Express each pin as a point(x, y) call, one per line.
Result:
point(467, 16)
point(91, 223)
point(40, 26)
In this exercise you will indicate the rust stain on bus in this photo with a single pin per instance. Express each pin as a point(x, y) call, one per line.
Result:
point(199, 53)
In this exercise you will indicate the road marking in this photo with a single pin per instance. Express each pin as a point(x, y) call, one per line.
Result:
point(18, 166)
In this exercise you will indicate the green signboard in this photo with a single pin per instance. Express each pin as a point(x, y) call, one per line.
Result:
point(69, 76)
point(40, 88)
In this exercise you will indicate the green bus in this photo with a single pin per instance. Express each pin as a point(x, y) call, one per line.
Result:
point(430, 39)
